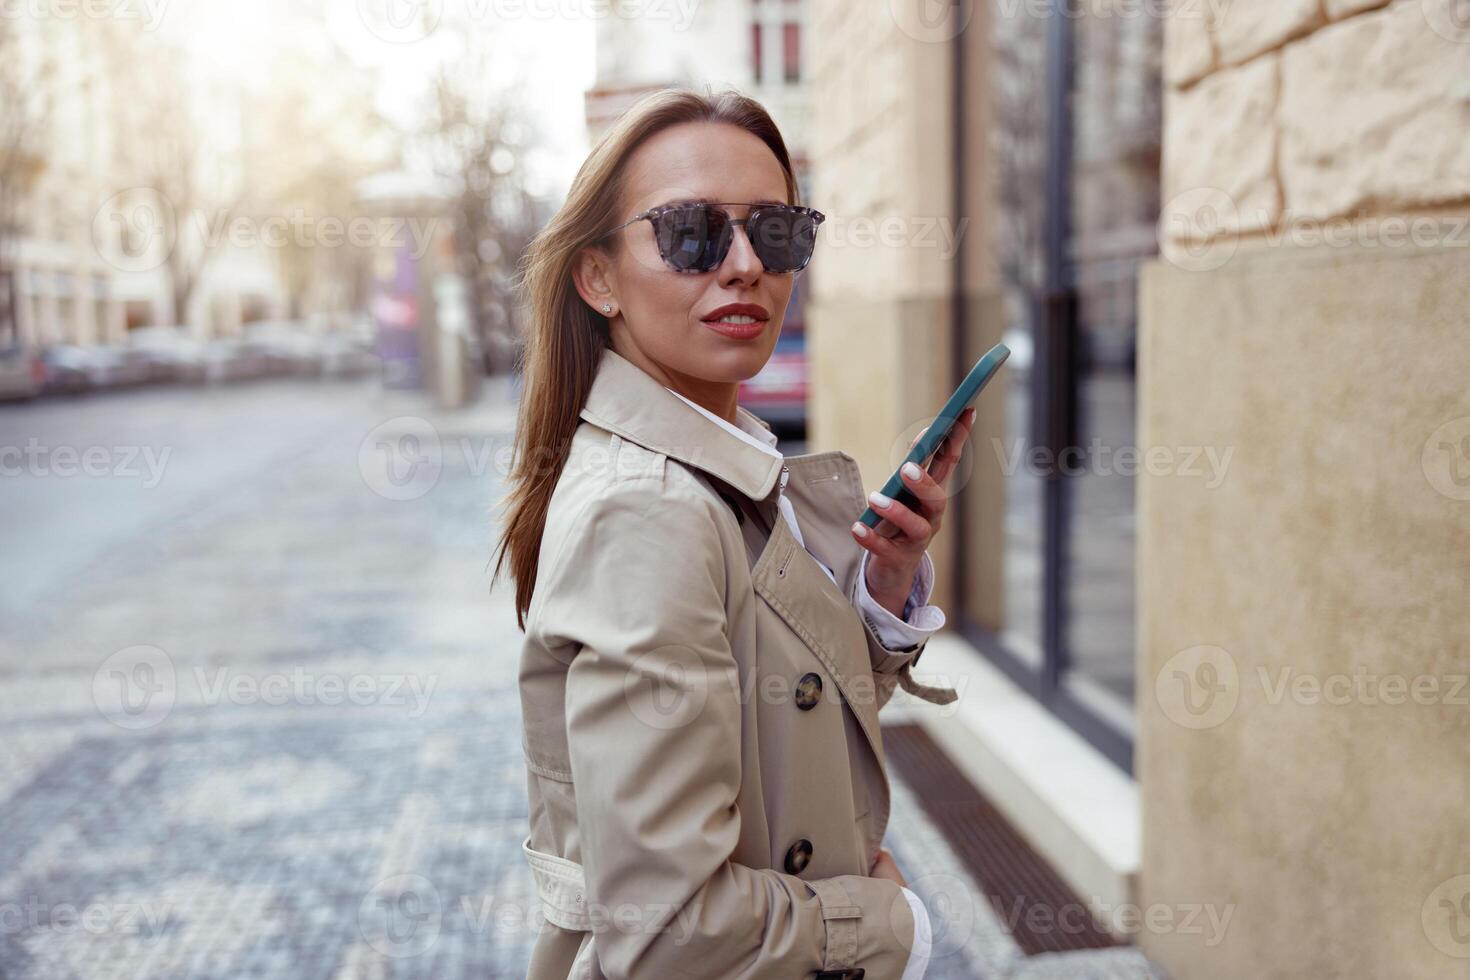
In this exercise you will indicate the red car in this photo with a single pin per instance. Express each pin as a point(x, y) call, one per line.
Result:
point(778, 393)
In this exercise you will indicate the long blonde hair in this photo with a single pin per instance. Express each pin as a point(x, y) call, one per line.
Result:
point(567, 336)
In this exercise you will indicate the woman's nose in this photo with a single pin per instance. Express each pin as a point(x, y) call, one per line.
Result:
point(741, 263)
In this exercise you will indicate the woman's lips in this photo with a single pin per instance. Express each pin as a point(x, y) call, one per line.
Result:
point(737, 331)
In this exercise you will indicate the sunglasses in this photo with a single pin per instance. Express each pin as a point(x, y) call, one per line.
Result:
point(697, 237)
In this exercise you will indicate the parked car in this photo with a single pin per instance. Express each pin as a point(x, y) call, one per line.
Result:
point(66, 369)
point(117, 366)
point(363, 330)
point(170, 353)
point(22, 375)
point(344, 356)
point(285, 345)
point(778, 393)
point(227, 359)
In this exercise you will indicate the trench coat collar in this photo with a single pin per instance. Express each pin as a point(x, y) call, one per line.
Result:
point(626, 400)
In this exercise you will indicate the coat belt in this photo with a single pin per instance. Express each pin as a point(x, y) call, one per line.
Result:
point(935, 695)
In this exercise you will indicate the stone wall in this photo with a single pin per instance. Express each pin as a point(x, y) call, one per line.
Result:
point(1283, 114)
point(881, 287)
point(1303, 753)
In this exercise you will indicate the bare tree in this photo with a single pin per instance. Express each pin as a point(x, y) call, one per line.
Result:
point(315, 143)
point(199, 188)
point(20, 135)
point(480, 137)
point(167, 147)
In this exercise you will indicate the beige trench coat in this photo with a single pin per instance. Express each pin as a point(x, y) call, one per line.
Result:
point(700, 709)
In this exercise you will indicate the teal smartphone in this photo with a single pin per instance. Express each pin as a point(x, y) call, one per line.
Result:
point(928, 443)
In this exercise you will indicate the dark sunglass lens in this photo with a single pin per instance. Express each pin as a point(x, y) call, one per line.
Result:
point(784, 239)
point(692, 239)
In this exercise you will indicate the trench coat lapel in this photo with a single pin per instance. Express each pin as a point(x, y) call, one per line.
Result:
point(625, 400)
point(825, 490)
point(788, 578)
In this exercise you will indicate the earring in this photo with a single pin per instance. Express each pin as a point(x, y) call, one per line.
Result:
point(607, 307)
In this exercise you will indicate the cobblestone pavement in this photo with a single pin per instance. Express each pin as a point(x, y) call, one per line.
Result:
point(277, 734)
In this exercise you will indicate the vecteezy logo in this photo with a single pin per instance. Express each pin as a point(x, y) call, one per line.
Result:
point(1195, 227)
point(402, 458)
point(1198, 687)
point(135, 230)
point(1446, 459)
point(931, 21)
point(136, 687)
point(1450, 19)
point(1446, 917)
point(950, 902)
point(401, 915)
point(401, 21)
point(667, 688)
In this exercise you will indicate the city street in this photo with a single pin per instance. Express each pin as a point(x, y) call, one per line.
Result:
point(260, 713)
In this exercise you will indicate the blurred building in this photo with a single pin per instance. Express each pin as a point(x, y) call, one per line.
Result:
point(60, 288)
point(184, 169)
point(92, 258)
point(755, 46)
point(1228, 246)
point(169, 184)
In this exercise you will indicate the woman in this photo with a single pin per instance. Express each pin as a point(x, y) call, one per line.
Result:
point(709, 635)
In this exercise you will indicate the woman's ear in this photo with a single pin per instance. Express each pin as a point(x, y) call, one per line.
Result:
point(593, 276)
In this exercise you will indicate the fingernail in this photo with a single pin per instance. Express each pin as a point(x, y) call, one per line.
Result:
point(860, 529)
point(879, 500)
point(911, 470)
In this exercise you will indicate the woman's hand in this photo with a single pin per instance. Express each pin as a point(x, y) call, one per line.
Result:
point(885, 867)
point(898, 543)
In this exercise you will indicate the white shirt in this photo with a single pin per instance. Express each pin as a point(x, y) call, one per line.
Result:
point(894, 633)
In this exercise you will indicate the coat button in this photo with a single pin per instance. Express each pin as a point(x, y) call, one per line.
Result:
point(798, 855)
point(808, 691)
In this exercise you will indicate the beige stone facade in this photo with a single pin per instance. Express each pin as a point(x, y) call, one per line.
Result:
point(879, 314)
point(1302, 756)
point(1272, 124)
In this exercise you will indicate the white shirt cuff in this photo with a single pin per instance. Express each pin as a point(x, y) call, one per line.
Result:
point(923, 620)
point(923, 938)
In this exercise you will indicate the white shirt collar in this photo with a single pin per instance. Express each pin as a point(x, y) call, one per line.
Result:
point(757, 435)
point(765, 440)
